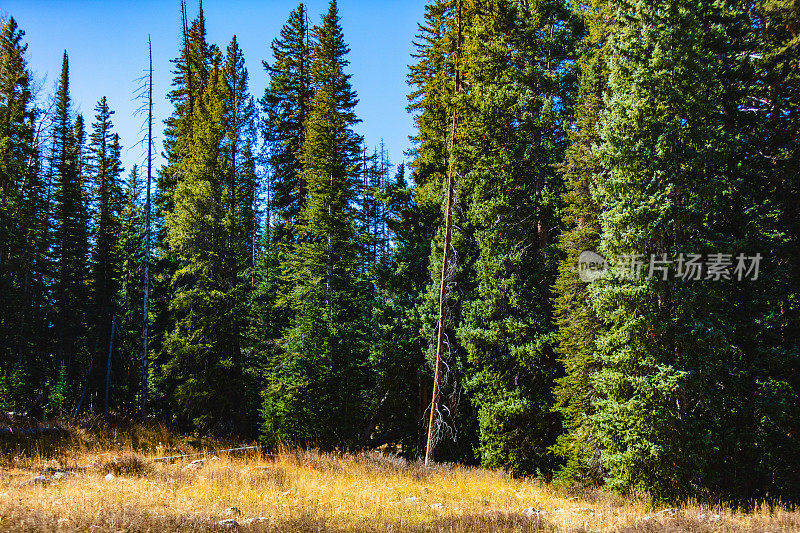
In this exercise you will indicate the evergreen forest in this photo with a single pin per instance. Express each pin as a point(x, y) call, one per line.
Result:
point(276, 278)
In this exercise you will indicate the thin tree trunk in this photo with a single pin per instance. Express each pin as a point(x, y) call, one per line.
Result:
point(433, 422)
point(146, 300)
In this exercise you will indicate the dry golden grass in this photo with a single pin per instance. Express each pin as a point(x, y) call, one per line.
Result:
point(119, 488)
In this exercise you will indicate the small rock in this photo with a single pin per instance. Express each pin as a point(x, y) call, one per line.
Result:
point(229, 522)
point(670, 513)
point(38, 480)
point(62, 474)
point(110, 477)
point(195, 465)
point(530, 511)
point(259, 520)
point(232, 511)
point(215, 458)
point(436, 506)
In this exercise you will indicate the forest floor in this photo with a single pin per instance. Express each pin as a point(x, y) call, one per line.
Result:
point(104, 479)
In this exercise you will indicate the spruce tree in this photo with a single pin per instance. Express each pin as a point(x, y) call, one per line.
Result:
point(577, 322)
point(285, 106)
point(679, 143)
point(130, 294)
point(516, 68)
point(213, 212)
point(104, 168)
point(433, 102)
point(325, 356)
point(190, 78)
point(21, 219)
point(398, 354)
point(70, 248)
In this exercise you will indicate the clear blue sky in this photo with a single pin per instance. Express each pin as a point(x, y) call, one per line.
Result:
point(107, 46)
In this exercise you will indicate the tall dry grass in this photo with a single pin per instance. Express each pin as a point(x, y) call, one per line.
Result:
point(116, 486)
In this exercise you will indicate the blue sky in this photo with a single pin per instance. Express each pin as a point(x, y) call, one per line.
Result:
point(107, 46)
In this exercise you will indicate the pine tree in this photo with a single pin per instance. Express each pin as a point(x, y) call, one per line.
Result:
point(771, 147)
point(21, 199)
point(517, 71)
point(104, 168)
point(286, 104)
point(205, 234)
point(70, 248)
point(191, 73)
point(578, 324)
point(398, 353)
point(325, 353)
point(285, 108)
point(432, 79)
point(242, 189)
point(130, 249)
point(679, 145)
point(433, 101)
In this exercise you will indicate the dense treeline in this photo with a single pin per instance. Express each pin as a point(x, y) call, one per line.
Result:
point(295, 274)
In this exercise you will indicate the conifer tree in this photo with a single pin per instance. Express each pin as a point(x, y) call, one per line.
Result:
point(240, 137)
point(678, 138)
point(70, 248)
point(21, 199)
point(286, 105)
point(434, 102)
point(578, 324)
point(191, 73)
point(512, 137)
point(325, 353)
point(104, 168)
point(130, 295)
point(398, 355)
point(205, 233)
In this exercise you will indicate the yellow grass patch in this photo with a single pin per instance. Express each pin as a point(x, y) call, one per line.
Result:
point(124, 490)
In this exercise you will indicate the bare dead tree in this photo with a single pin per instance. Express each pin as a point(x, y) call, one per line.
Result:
point(146, 298)
point(435, 417)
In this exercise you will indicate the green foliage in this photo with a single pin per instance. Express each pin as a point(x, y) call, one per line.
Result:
point(285, 108)
point(325, 353)
point(70, 244)
point(130, 295)
point(665, 127)
point(578, 324)
point(432, 101)
point(682, 386)
point(103, 168)
point(286, 105)
point(510, 141)
point(205, 232)
point(403, 381)
point(23, 238)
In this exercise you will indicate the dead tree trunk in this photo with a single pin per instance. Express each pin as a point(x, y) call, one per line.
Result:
point(146, 301)
point(433, 422)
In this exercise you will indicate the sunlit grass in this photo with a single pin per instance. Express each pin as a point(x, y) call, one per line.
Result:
point(118, 487)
